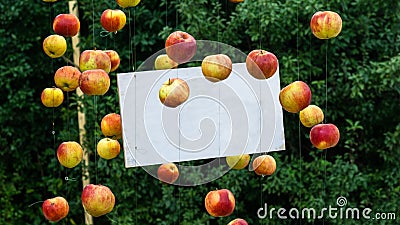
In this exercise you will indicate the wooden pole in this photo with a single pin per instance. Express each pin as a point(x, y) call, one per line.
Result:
point(73, 9)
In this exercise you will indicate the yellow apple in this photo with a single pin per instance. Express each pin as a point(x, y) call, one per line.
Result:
point(55, 46)
point(52, 97)
point(94, 59)
point(127, 3)
point(238, 162)
point(326, 24)
point(174, 92)
point(216, 67)
point(108, 148)
point(97, 200)
point(163, 62)
point(69, 154)
point(311, 115)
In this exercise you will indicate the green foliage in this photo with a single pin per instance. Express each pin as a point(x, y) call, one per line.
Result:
point(355, 79)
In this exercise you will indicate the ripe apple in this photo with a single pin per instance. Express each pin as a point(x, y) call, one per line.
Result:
point(174, 92)
point(326, 24)
point(238, 221)
point(311, 115)
point(163, 62)
point(69, 154)
point(67, 78)
point(127, 3)
point(66, 25)
point(115, 59)
point(94, 59)
point(97, 200)
point(111, 126)
point(55, 46)
point(180, 46)
point(55, 209)
point(238, 162)
point(108, 148)
point(168, 173)
point(323, 136)
point(94, 82)
point(52, 97)
point(113, 20)
point(220, 203)
point(295, 97)
point(216, 67)
point(264, 165)
point(261, 64)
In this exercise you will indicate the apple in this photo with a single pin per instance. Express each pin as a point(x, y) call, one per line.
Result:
point(94, 82)
point(127, 3)
point(238, 221)
point(163, 62)
point(115, 59)
point(295, 96)
point(261, 64)
point(216, 67)
point(66, 25)
point(238, 162)
point(52, 97)
point(326, 24)
point(180, 46)
point(97, 200)
point(174, 92)
point(323, 136)
point(113, 20)
point(311, 115)
point(69, 154)
point(94, 59)
point(220, 203)
point(111, 126)
point(168, 173)
point(55, 209)
point(108, 148)
point(264, 165)
point(67, 78)
point(55, 46)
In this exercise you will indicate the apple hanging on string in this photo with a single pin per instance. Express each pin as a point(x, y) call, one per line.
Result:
point(174, 92)
point(127, 3)
point(163, 62)
point(180, 46)
point(111, 126)
point(220, 203)
point(113, 20)
point(261, 64)
point(66, 25)
point(238, 162)
point(264, 165)
point(168, 173)
point(69, 154)
point(114, 58)
point(323, 136)
point(94, 82)
point(295, 96)
point(94, 59)
point(54, 46)
point(97, 200)
point(108, 148)
point(311, 115)
point(216, 67)
point(52, 97)
point(55, 209)
point(67, 78)
point(326, 24)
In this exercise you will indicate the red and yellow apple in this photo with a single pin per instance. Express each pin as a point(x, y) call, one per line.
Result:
point(220, 203)
point(94, 82)
point(113, 20)
point(163, 62)
point(261, 64)
point(180, 46)
point(216, 67)
point(168, 173)
point(264, 165)
point(66, 25)
point(94, 59)
point(115, 59)
point(323, 136)
point(326, 24)
point(55, 209)
point(311, 115)
point(174, 92)
point(295, 96)
point(111, 126)
point(238, 162)
point(52, 97)
point(127, 3)
point(97, 200)
point(69, 154)
point(108, 148)
point(54, 46)
point(67, 78)
point(238, 221)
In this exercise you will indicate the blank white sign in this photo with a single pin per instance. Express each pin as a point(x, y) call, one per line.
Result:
point(235, 116)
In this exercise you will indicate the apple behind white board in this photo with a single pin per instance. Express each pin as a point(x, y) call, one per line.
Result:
point(235, 116)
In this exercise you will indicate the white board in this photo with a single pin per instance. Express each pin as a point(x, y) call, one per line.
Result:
point(235, 116)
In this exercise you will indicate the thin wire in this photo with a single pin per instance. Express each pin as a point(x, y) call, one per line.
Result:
point(93, 18)
point(95, 133)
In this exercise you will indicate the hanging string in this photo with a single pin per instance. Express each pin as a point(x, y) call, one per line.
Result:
point(93, 18)
point(95, 136)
